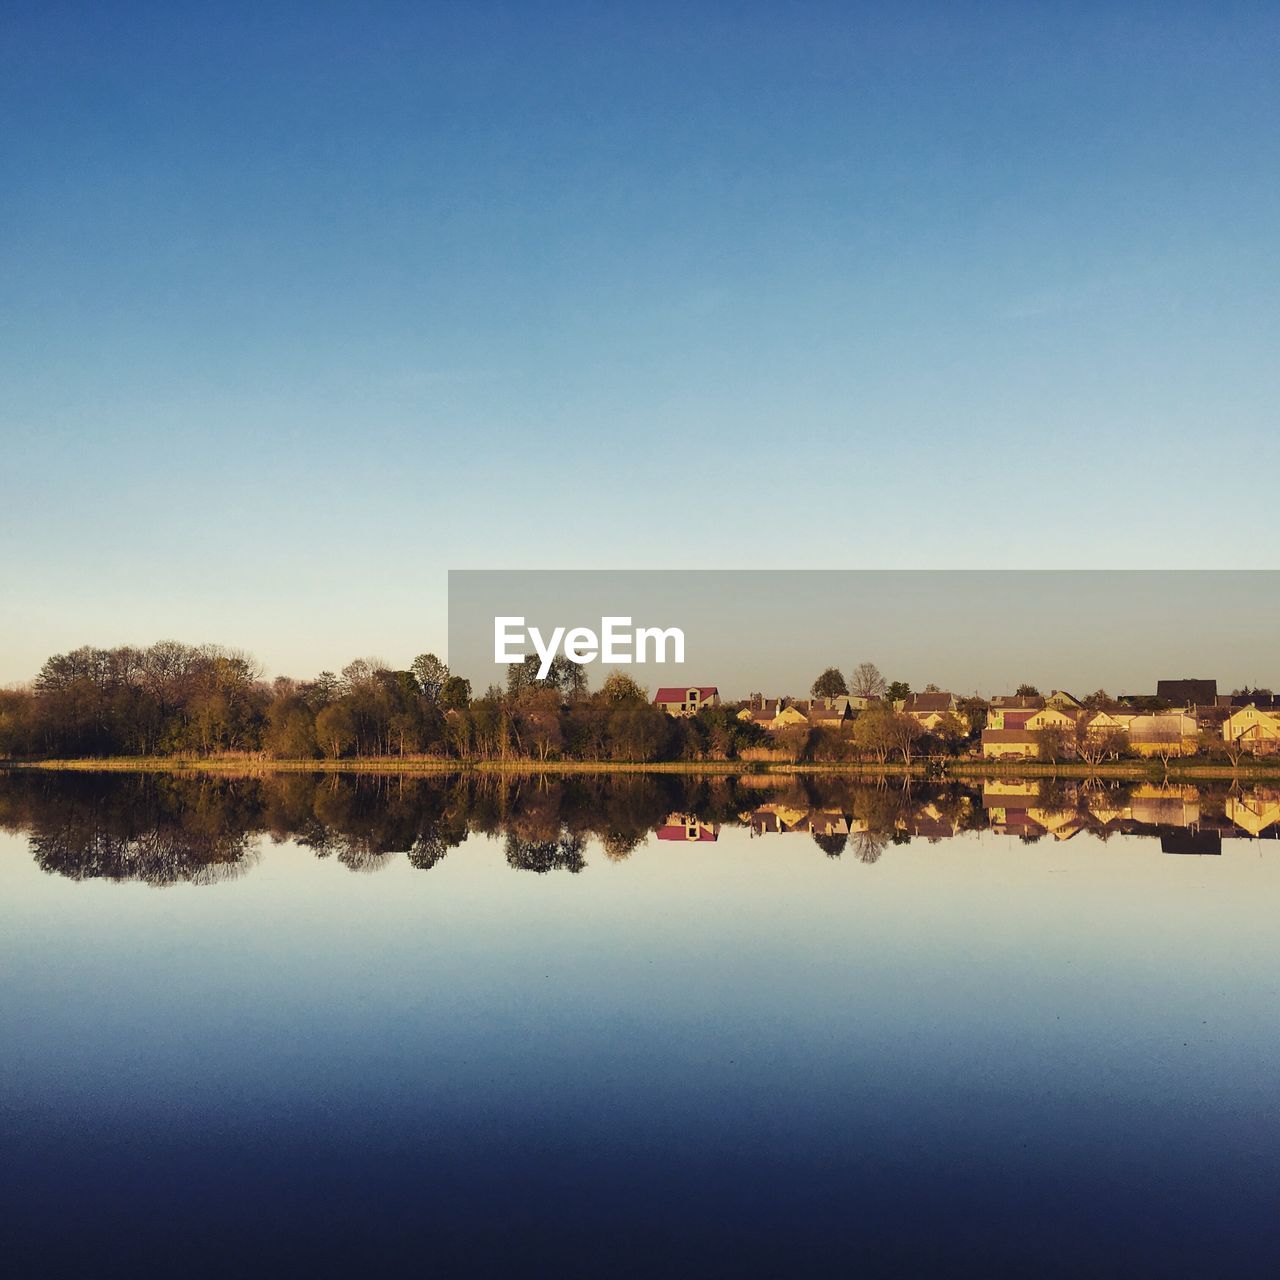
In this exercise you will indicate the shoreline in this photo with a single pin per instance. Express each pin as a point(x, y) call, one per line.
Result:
point(930, 770)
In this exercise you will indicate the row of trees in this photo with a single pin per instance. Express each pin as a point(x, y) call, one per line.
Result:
point(176, 699)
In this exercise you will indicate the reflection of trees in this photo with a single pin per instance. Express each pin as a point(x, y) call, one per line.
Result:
point(832, 844)
point(619, 845)
point(159, 857)
point(869, 845)
point(165, 829)
point(563, 854)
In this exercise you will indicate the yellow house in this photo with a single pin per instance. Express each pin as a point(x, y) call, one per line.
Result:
point(1253, 729)
point(1009, 744)
point(1052, 717)
point(1064, 701)
point(1012, 710)
point(1156, 732)
point(773, 713)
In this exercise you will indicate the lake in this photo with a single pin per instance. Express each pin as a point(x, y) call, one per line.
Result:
point(636, 1025)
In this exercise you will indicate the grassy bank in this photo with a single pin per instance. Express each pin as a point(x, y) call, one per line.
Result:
point(1132, 771)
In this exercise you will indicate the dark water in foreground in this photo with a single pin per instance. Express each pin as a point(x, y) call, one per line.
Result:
point(633, 1026)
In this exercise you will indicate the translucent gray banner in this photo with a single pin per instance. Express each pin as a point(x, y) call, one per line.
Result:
point(773, 632)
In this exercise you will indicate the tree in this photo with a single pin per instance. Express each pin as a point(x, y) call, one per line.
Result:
point(1027, 691)
point(872, 731)
point(1051, 743)
point(830, 684)
point(431, 675)
point(1164, 738)
point(866, 681)
point(335, 729)
point(951, 733)
point(620, 687)
point(973, 711)
point(904, 732)
point(1094, 745)
point(897, 691)
point(455, 693)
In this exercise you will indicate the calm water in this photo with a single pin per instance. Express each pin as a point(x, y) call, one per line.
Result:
point(627, 1027)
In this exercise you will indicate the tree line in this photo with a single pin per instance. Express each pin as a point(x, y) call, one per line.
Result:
point(173, 699)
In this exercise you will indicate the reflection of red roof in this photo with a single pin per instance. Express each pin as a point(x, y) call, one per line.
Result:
point(683, 834)
point(672, 694)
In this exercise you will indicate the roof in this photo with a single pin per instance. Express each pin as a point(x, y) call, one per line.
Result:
point(678, 693)
point(1017, 701)
point(1009, 735)
point(928, 702)
point(1187, 691)
point(1017, 719)
point(1263, 701)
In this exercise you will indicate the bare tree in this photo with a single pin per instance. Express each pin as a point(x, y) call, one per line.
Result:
point(866, 681)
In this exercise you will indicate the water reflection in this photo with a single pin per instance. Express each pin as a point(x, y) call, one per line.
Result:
point(165, 829)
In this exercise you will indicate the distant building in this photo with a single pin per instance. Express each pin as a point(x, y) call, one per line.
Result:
point(687, 701)
point(1187, 693)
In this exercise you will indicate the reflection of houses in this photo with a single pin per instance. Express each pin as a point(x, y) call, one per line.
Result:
point(777, 818)
point(1165, 806)
point(1008, 804)
point(1253, 729)
point(1256, 812)
point(930, 823)
point(687, 701)
point(688, 827)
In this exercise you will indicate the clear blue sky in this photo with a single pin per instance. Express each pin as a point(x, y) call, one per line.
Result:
point(302, 305)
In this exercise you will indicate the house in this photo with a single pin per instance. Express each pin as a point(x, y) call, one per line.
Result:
point(850, 704)
point(782, 713)
point(1263, 700)
point(1053, 717)
point(1253, 729)
point(821, 714)
point(1010, 744)
point(774, 713)
point(1157, 732)
point(929, 709)
point(1064, 701)
point(1187, 693)
point(1012, 710)
point(687, 701)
